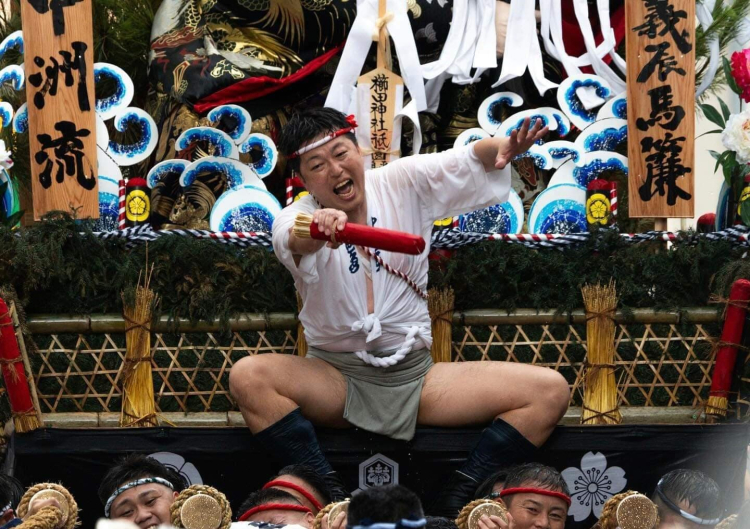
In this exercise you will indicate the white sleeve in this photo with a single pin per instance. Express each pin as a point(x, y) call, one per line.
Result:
point(448, 183)
point(307, 271)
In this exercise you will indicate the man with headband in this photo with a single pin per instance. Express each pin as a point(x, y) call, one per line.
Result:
point(365, 313)
point(276, 507)
point(386, 507)
point(141, 490)
point(688, 499)
point(302, 482)
point(536, 496)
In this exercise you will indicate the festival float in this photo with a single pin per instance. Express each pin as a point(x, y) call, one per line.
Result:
point(140, 179)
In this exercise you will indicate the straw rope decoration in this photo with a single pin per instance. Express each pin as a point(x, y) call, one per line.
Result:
point(494, 507)
point(729, 523)
point(600, 387)
point(441, 304)
point(48, 517)
point(138, 405)
point(334, 508)
point(201, 507)
point(647, 518)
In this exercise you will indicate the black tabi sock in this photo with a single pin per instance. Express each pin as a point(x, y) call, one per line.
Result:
point(499, 446)
point(292, 440)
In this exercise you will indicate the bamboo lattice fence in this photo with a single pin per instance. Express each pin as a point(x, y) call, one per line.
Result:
point(663, 359)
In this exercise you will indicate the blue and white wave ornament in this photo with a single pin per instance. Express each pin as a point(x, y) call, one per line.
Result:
point(237, 118)
point(14, 75)
point(223, 145)
point(133, 153)
point(603, 135)
point(263, 152)
point(21, 120)
point(617, 107)
point(110, 106)
point(570, 102)
point(562, 151)
point(166, 169)
point(500, 218)
point(490, 110)
point(596, 163)
point(547, 115)
point(235, 172)
point(6, 114)
point(108, 205)
point(470, 136)
point(12, 41)
point(246, 208)
point(559, 209)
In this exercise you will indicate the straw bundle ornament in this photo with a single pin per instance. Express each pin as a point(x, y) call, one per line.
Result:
point(729, 523)
point(628, 510)
point(600, 386)
point(21, 391)
point(138, 405)
point(333, 510)
point(48, 517)
point(469, 516)
point(201, 507)
point(301, 340)
point(441, 304)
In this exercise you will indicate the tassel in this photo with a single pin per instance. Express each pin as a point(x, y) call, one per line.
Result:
point(301, 347)
point(441, 304)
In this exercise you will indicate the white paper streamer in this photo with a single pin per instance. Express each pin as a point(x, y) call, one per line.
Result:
point(703, 12)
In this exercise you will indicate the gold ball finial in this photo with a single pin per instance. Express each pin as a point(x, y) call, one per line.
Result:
point(470, 514)
point(201, 507)
point(45, 491)
point(637, 512)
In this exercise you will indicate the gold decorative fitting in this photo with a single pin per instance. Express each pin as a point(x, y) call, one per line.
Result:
point(47, 494)
point(637, 512)
point(201, 512)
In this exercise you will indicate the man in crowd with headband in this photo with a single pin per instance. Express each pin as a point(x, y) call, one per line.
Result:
point(365, 313)
point(536, 496)
point(306, 485)
point(688, 499)
point(276, 507)
point(388, 507)
point(141, 490)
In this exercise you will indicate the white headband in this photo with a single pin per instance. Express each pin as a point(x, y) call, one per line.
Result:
point(333, 135)
point(132, 484)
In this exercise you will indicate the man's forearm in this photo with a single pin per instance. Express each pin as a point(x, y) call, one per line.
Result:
point(487, 149)
point(300, 246)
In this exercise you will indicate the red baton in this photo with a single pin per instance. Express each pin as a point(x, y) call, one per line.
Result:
point(388, 240)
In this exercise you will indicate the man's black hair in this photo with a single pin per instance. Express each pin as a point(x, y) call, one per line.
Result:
point(485, 488)
point(265, 496)
point(11, 491)
point(535, 475)
point(306, 126)
point(387, 504)
point(133, 467)
point(694, 487)
point(307, 474)
point(438, 522)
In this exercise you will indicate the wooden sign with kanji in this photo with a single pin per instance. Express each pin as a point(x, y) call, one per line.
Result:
point(661, 107)
point(59, 65)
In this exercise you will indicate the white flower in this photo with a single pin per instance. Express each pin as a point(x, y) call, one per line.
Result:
point(736, 135)
point(5, 161)
point(592, 485)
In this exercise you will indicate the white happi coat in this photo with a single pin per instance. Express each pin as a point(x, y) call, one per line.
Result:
point(406, 195)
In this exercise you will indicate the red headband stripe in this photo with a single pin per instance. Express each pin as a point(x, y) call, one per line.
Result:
point(333, 135)
point(531, 490)
point(273, 507)
point(301, 490)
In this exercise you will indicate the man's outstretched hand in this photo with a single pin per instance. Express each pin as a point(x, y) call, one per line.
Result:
point(498, 152)
point(519, 142)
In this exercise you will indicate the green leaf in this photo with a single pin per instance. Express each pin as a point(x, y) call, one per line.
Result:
point(724, 109)
point(715, 131)
point(715, 155)
point(730, 78)
point(712, 114)
point(14, 219)
point(721, 159)
point(745, 212)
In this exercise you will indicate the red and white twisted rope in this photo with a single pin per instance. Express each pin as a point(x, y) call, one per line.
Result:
point(409, 281)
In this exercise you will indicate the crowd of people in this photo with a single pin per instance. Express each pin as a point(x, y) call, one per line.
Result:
point(141, 490)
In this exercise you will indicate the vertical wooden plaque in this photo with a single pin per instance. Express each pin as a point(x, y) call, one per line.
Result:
point(59, 64)
point(660, 53)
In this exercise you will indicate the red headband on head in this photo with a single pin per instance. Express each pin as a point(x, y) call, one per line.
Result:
point(301, 490)
point(532, 490)
point(273, 507)
point(333, 135)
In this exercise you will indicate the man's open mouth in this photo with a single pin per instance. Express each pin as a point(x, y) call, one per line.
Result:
point(345, 188)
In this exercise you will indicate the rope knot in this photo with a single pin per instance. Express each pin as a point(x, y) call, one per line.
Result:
point(380, 23)
point(370, 324)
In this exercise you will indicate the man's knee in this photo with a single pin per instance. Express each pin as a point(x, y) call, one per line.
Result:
point(251, 375)
point(554, 394)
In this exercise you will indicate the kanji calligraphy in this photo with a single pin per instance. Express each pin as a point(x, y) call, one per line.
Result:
point(661, 94)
